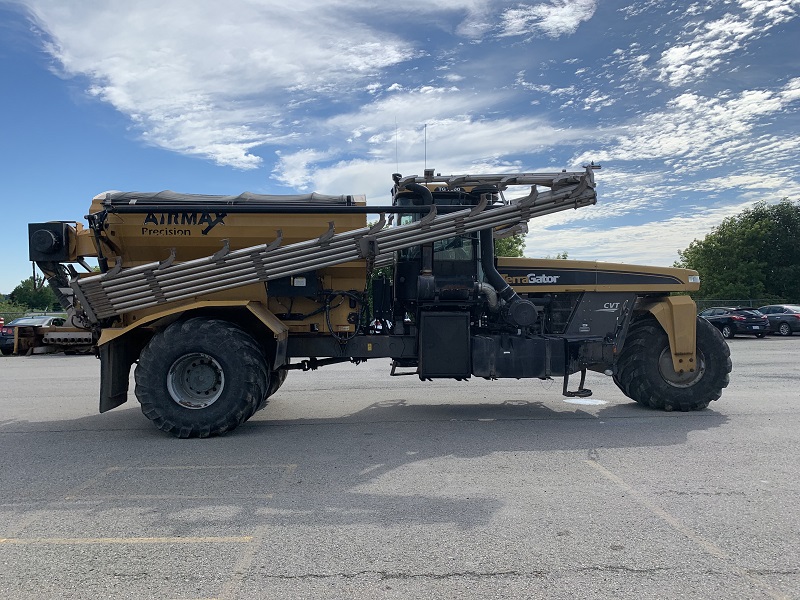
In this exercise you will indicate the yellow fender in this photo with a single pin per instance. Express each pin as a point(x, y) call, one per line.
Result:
point(677, 316)
point(273, 323)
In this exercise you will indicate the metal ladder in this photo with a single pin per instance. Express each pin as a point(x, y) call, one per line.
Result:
point(119, 291)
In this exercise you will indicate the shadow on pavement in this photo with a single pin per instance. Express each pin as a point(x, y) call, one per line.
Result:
point(389, 463)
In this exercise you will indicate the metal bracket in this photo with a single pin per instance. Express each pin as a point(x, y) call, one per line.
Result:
point(276, 242)
point(115, 269)
point(167, 261)
point(82, 300)
point(394, 372)
point(530, 199)
point(506, 232)
point(222, 252)
point(581, 392)
point(583, 184)
point(368, 247)
point(481, 205)
point(325, 237)
point(379, 225)
point(425, 222)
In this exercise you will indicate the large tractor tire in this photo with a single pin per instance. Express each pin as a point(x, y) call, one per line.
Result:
point(201, 377)
point(645, 373)
point(276, 379)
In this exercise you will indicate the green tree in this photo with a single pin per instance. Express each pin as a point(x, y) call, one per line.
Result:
point(510, 246)
point(10, 311)
point(34, 294)
point(754, 254)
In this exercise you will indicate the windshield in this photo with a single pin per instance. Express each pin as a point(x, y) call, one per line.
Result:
point(459, 247)
point(30, 321)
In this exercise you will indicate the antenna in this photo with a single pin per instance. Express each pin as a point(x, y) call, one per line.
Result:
point(425, 129)
point(396, 158)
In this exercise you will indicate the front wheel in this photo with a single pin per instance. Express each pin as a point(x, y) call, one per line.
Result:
point(201, 377)
point(276, 379)
point(645, 372)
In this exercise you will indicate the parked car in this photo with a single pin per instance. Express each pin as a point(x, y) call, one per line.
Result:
point(736, 320)
point(783, 318)
point(7, 331)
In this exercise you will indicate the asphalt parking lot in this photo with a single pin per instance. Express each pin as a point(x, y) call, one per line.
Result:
point(352, 484)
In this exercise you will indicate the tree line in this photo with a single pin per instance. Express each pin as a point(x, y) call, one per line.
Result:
point(754, 254)
point(32, 294)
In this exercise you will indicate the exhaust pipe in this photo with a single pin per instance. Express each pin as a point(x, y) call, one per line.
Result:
point(520, 311)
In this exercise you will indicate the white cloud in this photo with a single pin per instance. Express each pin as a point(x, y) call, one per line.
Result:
point(597, 100)
point(221, 80)
point(775, 11)
point(209, 78)
point(293, 169)
point(459, 139)
point(654, 242)
point(710, 44)
point(696, 132)
point(553, 19)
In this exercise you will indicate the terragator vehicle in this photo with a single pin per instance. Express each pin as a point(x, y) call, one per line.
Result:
point(217, 298)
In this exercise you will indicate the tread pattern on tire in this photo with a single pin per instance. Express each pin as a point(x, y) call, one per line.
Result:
point(637, 374)
point(246, 377)
point(276, 379)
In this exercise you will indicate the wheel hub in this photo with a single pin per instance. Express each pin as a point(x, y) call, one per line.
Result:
point(680, 380)
point(195, 381)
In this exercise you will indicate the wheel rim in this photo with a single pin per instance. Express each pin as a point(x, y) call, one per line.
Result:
point(680, 380)
point(726, 332)
point(784, 329)
point(195, 381)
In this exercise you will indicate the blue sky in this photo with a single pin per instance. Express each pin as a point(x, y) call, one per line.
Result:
point(690, 108)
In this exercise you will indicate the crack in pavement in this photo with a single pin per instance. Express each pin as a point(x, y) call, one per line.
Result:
point(386, 575)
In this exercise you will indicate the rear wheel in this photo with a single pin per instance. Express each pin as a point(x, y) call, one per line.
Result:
point(727, 332)
point(761, 335)
point(784, 329)
point(201, 377)
point(645, 372)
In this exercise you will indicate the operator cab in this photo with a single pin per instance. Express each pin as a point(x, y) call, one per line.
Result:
point(443, 272)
